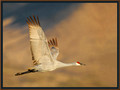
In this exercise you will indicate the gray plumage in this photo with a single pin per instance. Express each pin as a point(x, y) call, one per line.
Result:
point(44, 53)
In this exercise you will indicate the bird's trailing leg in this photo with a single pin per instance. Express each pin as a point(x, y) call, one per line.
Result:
point(29, 71)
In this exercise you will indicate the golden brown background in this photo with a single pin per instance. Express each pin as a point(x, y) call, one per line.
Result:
point(86, 32)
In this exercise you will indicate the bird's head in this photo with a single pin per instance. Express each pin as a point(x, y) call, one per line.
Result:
point(79, 64)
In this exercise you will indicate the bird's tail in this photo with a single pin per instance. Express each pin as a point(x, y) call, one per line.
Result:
point(21, 73)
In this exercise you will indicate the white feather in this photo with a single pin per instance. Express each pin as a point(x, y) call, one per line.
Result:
point(39, 45)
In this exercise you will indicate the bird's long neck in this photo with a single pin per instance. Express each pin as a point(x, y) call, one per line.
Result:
point(60, 64)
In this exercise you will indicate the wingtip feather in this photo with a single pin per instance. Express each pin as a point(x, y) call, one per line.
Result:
point(33, 21)
point(53, 42)
point(38, 21)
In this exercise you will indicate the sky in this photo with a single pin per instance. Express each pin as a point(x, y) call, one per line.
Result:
point(86, 32)
point(49, 13)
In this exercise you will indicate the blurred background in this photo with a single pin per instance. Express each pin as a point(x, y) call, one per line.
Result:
point(86, 32)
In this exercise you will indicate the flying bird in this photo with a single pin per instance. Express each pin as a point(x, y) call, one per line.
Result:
point(44, 53)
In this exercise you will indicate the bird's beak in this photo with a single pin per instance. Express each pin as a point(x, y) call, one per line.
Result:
point(82, 64)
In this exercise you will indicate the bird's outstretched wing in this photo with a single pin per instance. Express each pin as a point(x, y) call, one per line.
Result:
point(53, 45)
point(38, 42)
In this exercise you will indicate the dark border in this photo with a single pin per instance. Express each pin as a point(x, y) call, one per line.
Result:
point(1, 45)
point(118, 44)
point(60, 1)
point(60, 87)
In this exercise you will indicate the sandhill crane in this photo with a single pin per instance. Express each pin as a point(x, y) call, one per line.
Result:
point(44, 53)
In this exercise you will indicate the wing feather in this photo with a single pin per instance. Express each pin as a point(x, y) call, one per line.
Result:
point(35, 20)
point(38, 21)
point(53, 45)
point(32, 20)
point(38, 42)
point(30, 23)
